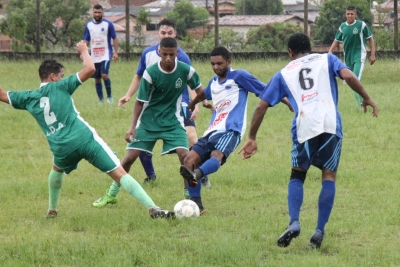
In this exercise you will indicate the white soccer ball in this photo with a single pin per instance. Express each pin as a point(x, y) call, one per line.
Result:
point(186, 209)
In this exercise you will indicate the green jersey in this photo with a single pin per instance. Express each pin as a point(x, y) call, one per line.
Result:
point(53, 108)
point(161, 93)
point(353, 38)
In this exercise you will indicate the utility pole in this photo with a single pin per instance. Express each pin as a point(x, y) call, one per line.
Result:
point(127, 29)
point(216, 29)
point(396, 26)
point(306, 17)
point(38, 27)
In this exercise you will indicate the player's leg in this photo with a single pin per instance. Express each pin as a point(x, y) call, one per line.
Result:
point(147, 162)
point(55, 181)
point(97, 82)
point(358, 68)
point(105, 69)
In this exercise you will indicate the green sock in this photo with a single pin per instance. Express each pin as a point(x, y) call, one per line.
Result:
point(55, 182)
point(358, 99)
point(114, 189)
point(136, 190)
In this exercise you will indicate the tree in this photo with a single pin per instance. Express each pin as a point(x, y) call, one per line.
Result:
point(332, 14)
point(61, 22)
point(259, 7)
point(141, 20)
point(271, 37)
point(186, 16)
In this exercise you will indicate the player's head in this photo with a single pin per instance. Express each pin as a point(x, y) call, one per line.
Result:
point(97, 12)
point(168, 50)
point(166, 28)
point(351, 14)
point(298, 43)
point(220, 59)
point(51, 71)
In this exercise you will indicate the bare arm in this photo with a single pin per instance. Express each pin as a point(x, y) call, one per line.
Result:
point(372, 47)
point(3, 96)
point(333, 46)
point(88, 68)
point(132, 89)
point(356, 86)
point(136, 113)
point(195, 112)
point(200, 96)
point(115, 54)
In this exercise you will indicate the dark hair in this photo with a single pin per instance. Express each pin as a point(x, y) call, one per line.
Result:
point(97, 6)
point(351, 8)
point(299, 43)
point(221, 51)
point(168, 42)
point(48, 67)
point(166, 22)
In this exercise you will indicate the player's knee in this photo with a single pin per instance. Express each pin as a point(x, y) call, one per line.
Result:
point(299, 175)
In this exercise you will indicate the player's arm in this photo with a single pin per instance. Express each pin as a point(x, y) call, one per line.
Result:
point(88, 66)
point(372, 47)
point(195, 112)
point(250, 146)
point(3, 96)
point(200, 96)
point(137, 110)
point(356, 86)
point(132, 89)
point(333, 46)
point(287, 103)
point(116, 47)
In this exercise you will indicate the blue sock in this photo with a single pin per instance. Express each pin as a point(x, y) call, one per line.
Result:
point(210, 166)
point(99, 90)
point(107, 84)
point(325, 203)
point(295, 199)
point(147, 163)
point(195, 191)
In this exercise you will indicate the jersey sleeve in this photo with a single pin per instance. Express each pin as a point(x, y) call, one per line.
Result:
point(143, 93)
point(142, 64)
point(249, 82)
point(193, 79)
point(70, 83)
point(366, 31)
point(183, 57)
point(19, 100)
point(207, 90)
point(86, 35)
point(335, 65)
point(339, 35)
point(274, 90)
point(111, 30)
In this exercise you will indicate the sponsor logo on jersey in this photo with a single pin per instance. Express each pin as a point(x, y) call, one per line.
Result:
point(217, 120)
point(222, 105)
point(178, 83)
point(293, 65)
point(308, 96)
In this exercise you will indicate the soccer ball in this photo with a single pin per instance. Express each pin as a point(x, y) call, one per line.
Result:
point(186, 209)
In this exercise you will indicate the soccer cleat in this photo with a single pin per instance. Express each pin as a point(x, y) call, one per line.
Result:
point(150, 179)
point(110, 100)
point(202, 211)
point(189, 176)
point(160, 213)
point(104, 200)
point(186, 194)
point(316, 239)
point(292, 231)
point(100, 102)
point(199, 203)
point(51, 214)
point(205, 182)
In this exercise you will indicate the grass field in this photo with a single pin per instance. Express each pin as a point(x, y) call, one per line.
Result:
point(246, 207)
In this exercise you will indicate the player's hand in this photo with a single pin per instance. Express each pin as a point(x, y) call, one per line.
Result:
point(123, 100)
point(369, 102)
point(372, 59)
point(129, 136)
point(195, 113)
point(81, 47)
point(208, 105)
point(115, 56)
point(249, 148)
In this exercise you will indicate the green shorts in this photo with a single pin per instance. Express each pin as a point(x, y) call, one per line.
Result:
point(96, 152)
point(172, 139)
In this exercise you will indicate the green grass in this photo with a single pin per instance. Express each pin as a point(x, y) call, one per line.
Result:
point(246, 207)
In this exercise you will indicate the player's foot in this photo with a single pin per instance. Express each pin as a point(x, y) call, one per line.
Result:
point(189, 176)
point(149, 179)
point(199, 203)
point(104, 200)
point(186, 194)
point(205, 182)
point(100, 102)
point(316, 239)
point(202, 211)
point(160, 213)
point(292, 231)
point(51, 214)
point(110, 100)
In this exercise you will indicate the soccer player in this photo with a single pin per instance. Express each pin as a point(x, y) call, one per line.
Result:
point(157, 111)
point(229, 91)
point(150, 56)
point(98, 33)
point(309, 83)
point(353, 34)
point(70, 138)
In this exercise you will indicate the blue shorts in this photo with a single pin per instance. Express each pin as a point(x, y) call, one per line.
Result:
point(322, 151)
point(186, 117)
point(96, 152)
point(226, 142)
point(101, 68)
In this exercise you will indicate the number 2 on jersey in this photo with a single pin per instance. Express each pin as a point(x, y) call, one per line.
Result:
point(49, 117)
